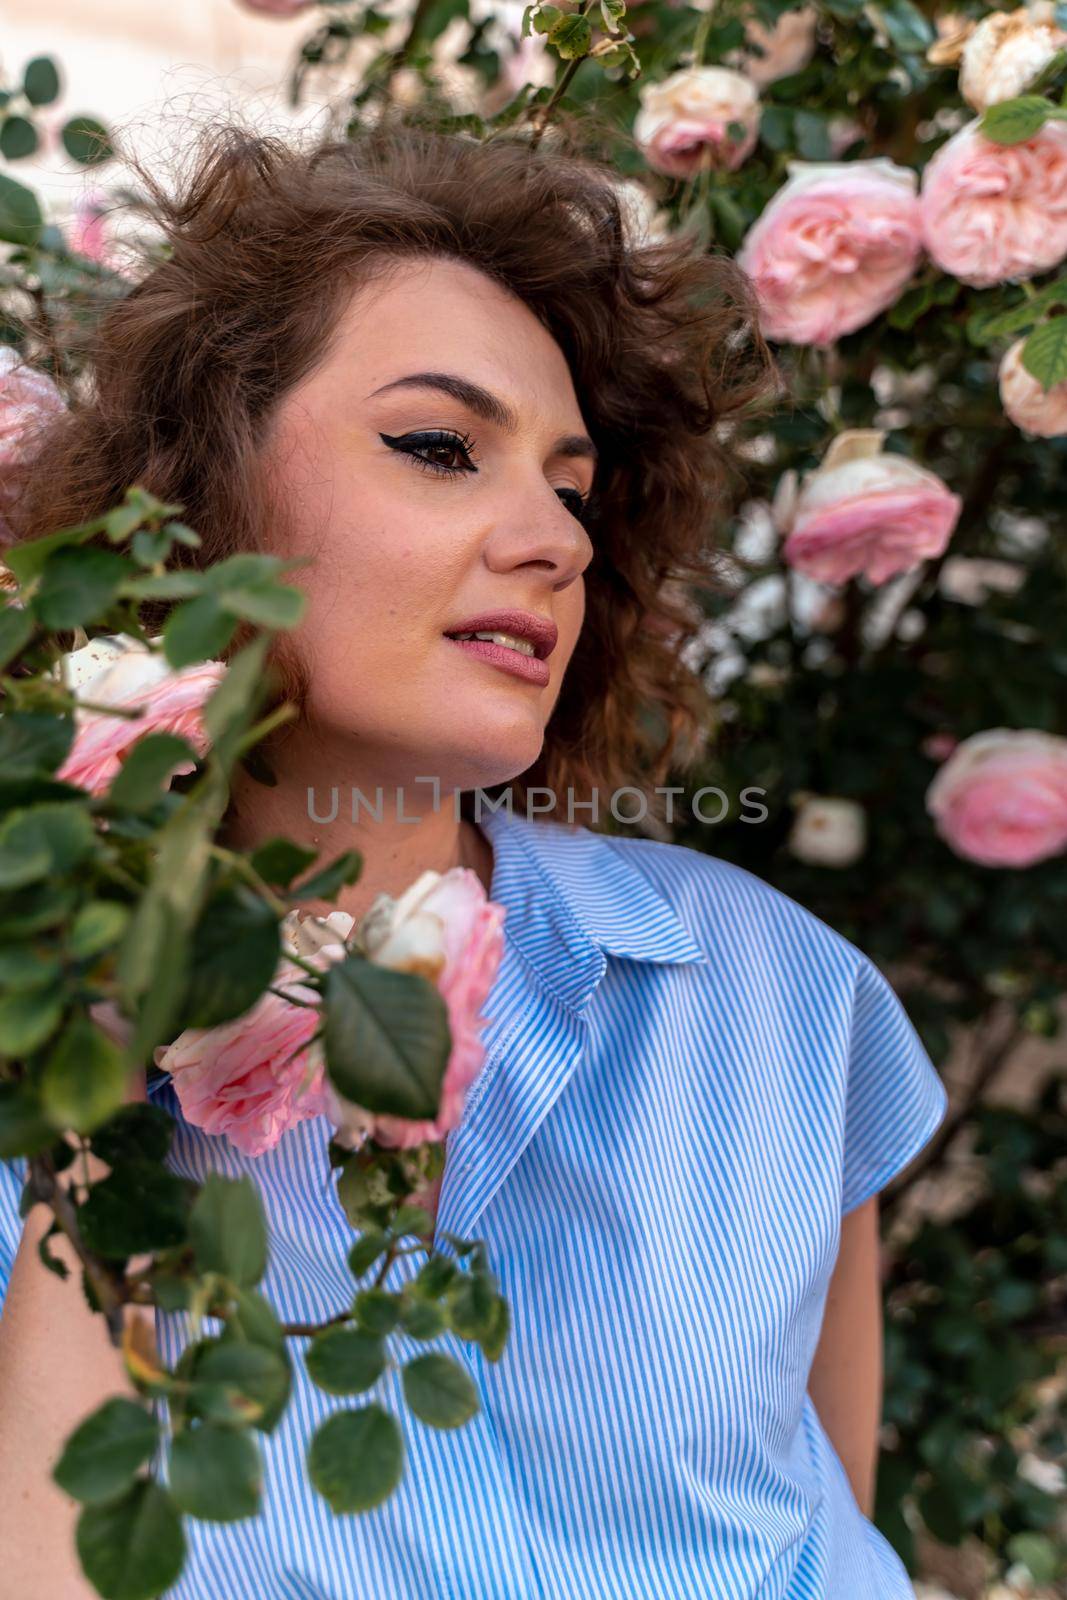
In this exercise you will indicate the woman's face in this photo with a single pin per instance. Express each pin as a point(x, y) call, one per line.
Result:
point(421, 513)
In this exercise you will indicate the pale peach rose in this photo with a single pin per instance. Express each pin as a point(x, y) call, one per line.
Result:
point(170, 702)
point(833, 248)
point(254, 1078)
point(1001, 797)
point(994, 213)
point(864, 511)
point(1004, 54)
point(828, 831)
point(786, 48)
point(445, 928)
point(29, 400)
point(683, 123)
point(1025, 400)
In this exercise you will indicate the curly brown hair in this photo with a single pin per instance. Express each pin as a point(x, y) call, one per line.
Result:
point(264, 244)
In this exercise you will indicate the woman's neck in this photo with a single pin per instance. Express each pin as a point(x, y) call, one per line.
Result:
point(398, 832)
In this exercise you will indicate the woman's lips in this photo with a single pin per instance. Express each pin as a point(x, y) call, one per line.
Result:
point(500, 655)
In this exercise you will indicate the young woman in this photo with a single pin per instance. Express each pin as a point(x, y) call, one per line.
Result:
point(453, 376)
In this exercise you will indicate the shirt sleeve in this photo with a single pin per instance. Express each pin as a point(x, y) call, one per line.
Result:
point(895, 1099)
point(12, 1181)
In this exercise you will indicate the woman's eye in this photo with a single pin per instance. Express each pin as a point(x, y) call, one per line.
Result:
point(577, 503)
point(426, 450)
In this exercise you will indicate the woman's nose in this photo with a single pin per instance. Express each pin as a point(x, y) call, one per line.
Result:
point(539, 531)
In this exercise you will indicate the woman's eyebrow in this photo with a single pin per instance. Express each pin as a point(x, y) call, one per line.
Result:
point(485, 404)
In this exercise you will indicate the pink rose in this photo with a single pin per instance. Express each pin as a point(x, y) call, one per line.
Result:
point(1001, 797)
point(993, 213)
point(445, 928)
point(1029, 405)
point(863, 511)
point(254, 1078)
point(683, 123)
point(170, 702)
point(28, 402)
point(833, 249)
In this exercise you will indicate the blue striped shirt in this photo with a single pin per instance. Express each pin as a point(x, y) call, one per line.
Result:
point(689, 1079)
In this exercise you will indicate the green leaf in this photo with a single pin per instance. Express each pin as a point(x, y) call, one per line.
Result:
point(20, 223)
point(138, 1208)
point(16, 631)
point(27, 558)
point(133, 1548)
point(907, 27)
point(28, 1018)
point(103, 1454)
point(411, 1220)
point(230, 712)
point(236, 948)
point(344, 869)
point(215, 1473)
point(228, 1229)
point(377, 1310)
point(98, 925)
point(545, 18)
point(147, 770)
point(136, 1131)
point(366, 1251)
point(41, 841)
point(1012, 121)
point(1038, 1553)
point(439, 1392)
point(86, 141)
point(356, 1458)
point(386, 1038)
point(269, 605)
point(472, 1305)
point(572, 36)
point(254, 1319)
point(33, 742)
point(40, 81)
point(278, 861)
point(1044, 355)
point(421, 1319)
point(24, 1130)
point(495, 1338)
point(197, 631)
point(812, 133)
point(345, 1360)
point(84, 1078)
point(240, 1383)
point(18, 138)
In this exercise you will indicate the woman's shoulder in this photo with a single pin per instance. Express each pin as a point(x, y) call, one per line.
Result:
point(722, 902)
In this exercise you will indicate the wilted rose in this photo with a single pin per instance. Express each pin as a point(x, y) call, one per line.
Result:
point(864, 512)
point(29, 400)
point(683, 124)
point(445, 928)
point(1025, 399)
point(827, 831)
point(1001, 797)
point(1005, 53)
point(833, 248)
point(785, 48)
point(993, 213)
point(135, 678)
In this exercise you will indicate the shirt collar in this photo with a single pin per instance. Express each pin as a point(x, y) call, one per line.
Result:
point(573, 897)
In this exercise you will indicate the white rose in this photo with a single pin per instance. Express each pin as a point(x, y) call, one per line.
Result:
point(1033, 408)
point(828, 832)
point(683, 123)
point(1005, 53)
